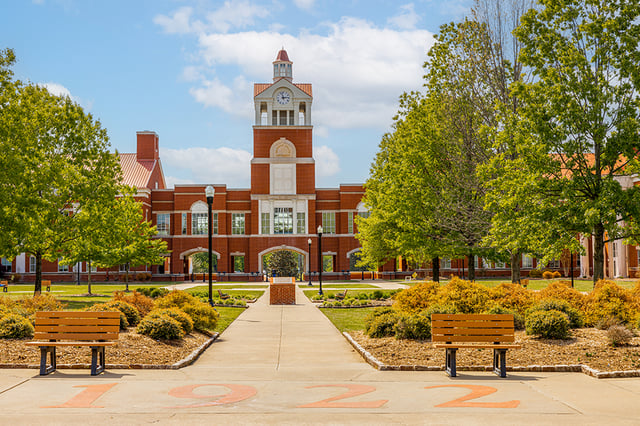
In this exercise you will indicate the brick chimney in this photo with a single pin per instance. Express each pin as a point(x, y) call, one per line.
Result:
point(147, 145)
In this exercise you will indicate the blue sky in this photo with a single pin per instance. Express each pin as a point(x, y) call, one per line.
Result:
point(185, 69)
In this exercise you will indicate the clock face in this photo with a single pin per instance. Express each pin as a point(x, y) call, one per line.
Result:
point(283, 97)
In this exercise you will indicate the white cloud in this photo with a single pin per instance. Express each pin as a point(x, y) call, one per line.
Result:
point(406, 19)
point(210, 165)
point(304, 4)
point(232, 14)
point(358, 70)
point(59, 90)
point(327, 161)
point(234, 100)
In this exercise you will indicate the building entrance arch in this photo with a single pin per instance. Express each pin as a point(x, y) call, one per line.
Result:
point(185, 256)
point(288, 248)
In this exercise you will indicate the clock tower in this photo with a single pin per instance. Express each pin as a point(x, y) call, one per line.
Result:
point(283, 168)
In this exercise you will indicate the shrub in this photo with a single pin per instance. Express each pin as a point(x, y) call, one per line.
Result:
point(377, 294)
point(380, 322)
point(204, 317)
point(548, 324)
point(14, 326)
point(562, 290)
point(413, 326)
point(105, 307)
point(466, 296)
point(418, 297)
point(547, 275)
point(41, 302)
point(143, 304)
point(574, 316)
point(512, 296)
point(606, 322)
point(160, 327)
point(185, 321)
point(439, 309)
point(518, 318)
point(557, 274)
point(130, 311)
point(535, 273)
point(143, 276)
point(619, 335)
point(609, 300)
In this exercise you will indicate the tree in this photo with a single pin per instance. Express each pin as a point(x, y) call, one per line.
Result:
point(283, 263)
point(131, 238)
point(580, 119)
point(54, 160)
point(200, 262)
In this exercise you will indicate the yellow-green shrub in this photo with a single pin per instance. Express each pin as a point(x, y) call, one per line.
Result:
point(609, 300)
point(160, 327)
point(512, 296)
point(14, 326)
point(186, 323)
point(204, 316)
point(129, 311)
point(105, 307)
point(562, 290)
point(41, 302)
point(381, 322)
point(548, 324)
point(575, 317)
point(418, 297)
point(547, 275)
point(465, 296)
point(413, 326)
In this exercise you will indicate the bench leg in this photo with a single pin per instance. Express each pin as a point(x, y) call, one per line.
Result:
point(97, 366)
point(500, 362)
point(451, 361)
point(5, 288)
point(44, 368)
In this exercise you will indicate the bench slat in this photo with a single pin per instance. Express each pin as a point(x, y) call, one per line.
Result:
point(64, 328)
point(472, 317)
point(471, 331)
point(78, 321)
point(75, 336)
point(77, 314)
point(452, 339)
point(476, 324)
point(71, 343)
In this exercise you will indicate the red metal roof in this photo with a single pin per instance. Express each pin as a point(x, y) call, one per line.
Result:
point(282, 56)
point(261, 87)
point(135, 173)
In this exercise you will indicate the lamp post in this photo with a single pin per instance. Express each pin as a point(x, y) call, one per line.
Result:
point(320, 257)
point(309, 242)
point(209, 192)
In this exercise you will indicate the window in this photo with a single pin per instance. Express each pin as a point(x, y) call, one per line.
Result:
point(184, 224)
point(556, 263)
point(6, 265)
point(199, 223)
point(445, 263)
point(500, 264)
point(364, 214)
point(350, 221)
point(327, 263)
point(476, 262)
point(123, 267)
point(265, 223)
point(32, 264)
point(283, 220)
point(329, 222)
point(237, 223)
point(301, 227)
point(61, 267)
point(214, 223)
point(164, 222)
point(238, 263)
point(527, 261)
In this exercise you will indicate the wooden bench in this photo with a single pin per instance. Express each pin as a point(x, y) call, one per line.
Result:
point(342, 295)
point(473, 331)
point(70, 328)
point(223, 296)
point(5, 286)
point(46, 284)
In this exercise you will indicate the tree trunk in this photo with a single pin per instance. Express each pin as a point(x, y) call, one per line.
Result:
point(89, 278)
point(435, 264)
point(598, 253)
point(126, 277)
point(515, 267)
point(472, 267)
point(37, 288)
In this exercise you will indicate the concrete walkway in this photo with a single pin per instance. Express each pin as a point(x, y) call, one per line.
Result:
point(289, 365)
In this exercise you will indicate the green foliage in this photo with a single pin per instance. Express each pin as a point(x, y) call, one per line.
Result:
point(201, 262)
point(106, 307)
point(160, 327)
point(413, 326)
point(153, 292)
point(575, 317)
point(283, 263)
point(548, 324)
point(41, 302)
point(562, 290)
point(129, 311)
point(13, 326)
point(609, 300)
point(535, 273)
point(186, 323)
point(204, 316)
point(176, 298)
point(381, 322)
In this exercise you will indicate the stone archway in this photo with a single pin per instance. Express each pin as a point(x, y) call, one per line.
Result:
point(188, 253)
point(285, 247)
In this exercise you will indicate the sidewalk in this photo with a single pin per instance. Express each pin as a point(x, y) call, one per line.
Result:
point(289, 365)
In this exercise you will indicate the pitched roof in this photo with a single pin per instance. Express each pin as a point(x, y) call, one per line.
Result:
point(282, 56)
point(261, 87)
point(135, 173)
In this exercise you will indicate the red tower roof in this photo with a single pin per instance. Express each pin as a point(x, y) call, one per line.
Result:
point(282, 56)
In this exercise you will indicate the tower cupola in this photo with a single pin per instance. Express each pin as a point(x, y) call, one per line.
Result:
point(282, 66)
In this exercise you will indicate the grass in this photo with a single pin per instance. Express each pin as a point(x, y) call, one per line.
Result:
point(338, 285)
point(347, 319)
point(238, 293)
point(227, 316)
point(327, 294)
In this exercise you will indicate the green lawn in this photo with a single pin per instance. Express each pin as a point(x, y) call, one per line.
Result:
point(238, 293)
point(227, 316)
point(329, 294)
point(338, 285)
point(347, 319)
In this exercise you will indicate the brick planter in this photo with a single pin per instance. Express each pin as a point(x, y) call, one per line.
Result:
point(282, 291)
